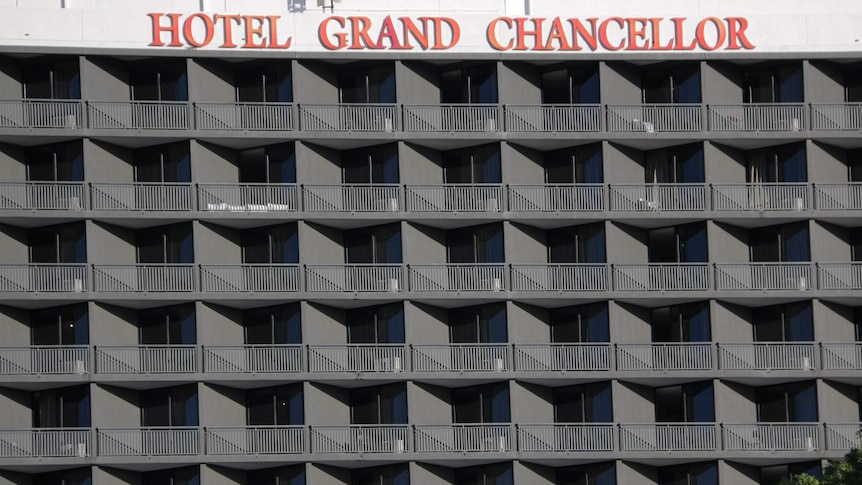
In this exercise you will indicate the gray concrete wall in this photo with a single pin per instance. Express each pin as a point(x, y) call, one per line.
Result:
point(420, 165)
point(322, 324)
point(222, 475)
point(622, 164)
point(428, 404)
point(633, 403)
point(632, 473)
point(327, 405)
point(722, 83)
point(112, 325)
point(621, 79)
point(315, 82)
point(527, 323)
point(833, 322)
point(106, 162)
point(218, 324)
point(727, 243)
point(17, 413)
point(829, 242)
point(425, 324)
point(215, 244)
point(629, 323)
point(320, 244)
point(526, 244)
point(626, 244)
point(723, 164)
point(826, 163)
point(117, 407)
point(525, 472)
point(110, 244)
point(212, 163)
point(423, 244)
point(14, 326)
point(519, 83)
point(531, 403)
point(730, 322)
point(212, 81)
point(837, 402)
point(12, 164)
point(316, 164)
point(416, 83)
point(823, 82)
point(521, 165)
point(428, 474)
point(104, 79)
point(738, 473)
point(734, 403)
point(16, 249)
point(221, 405)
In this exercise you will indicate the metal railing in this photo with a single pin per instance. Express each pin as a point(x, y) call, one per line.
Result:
point(168, 197)
point(771, 437)
point(255, 440)
point(836, 117)
point(173, 441)
point(832, 197)
point(248, 198)
point(458, 277)
point(763, 276)
point(348, 117)
point(664, 357)
point(658, 198)
point(767, 356)
point(669, 437)
point(40, 113)
point(66, 196)
point(146, 359)
point(360, 439)
point(357, 358)
point(557, 198)
point(351, 198)
point(841, 356)
point(252, 359)
point(757, 117)
point(138, 115)
point(45, 443)
point(47, 278)
point(452, 118)
point(244, 116)
point(661, 277)
point(652, 118)
point(554, 118)
point(361, 278)
point(59, 360)
point(843, 436)
point(580, 357)
point(566, 437)
point(460, 358)
point(760, 197)
point(559, 277)
point(463, 438)
point(454, 198)
point(139, 278)
point(839, 276)
point(250, 278)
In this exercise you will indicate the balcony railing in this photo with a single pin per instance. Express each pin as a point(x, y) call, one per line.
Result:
point(554, 118)
point(45, 443)
point(65, 196)
point(348, 117)
point(40, 113)
point(761, 356)
point(771, 437)
point(461, 358)
point(655, 118)
point(664, 357)
point(174, 441)
point(563, 357)
point(142, 197)
point(458, 277)
point(452, 118)
point(351, 198)
point(60, 360)
point(661, 277)
point(559, 277)
point(257, 440)
point(360, 278)
point(556, 198)
point(668, 437)
point(138, 278)
point(561, 438)
point(841, 436)
point(838, 196)
point(836, 117)
point(760, 197)
point(253, 359)
point(464, 438)
point(248, 198)
point(360, 439)
point(757, 117)
point(138, 115)
point(839, 276)
point(43, 278)
point(357, 358)
point(763, 276)
point(658, 198)
point(454, 198)
point(250, 278)
point(146, 359)
point(842, 356)
point(244, 116)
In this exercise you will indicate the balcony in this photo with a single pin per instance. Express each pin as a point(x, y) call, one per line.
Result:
point(461, 358)
point(559, 277)
point(457, 277)
point(465, 118)
point(841, 356)
point(146, 359)
point(351, 198)
point(31, 361)
point(771, 437)
point(658, 198)
point(566, 438)
point(557, 198)
point(45, 443)
point(152, 442)
point(844, 437)
point(62, 196)
point(554, 118)
point(356, 358)
point(768, 356)
point(664, 357)
point(661, 277)
point(249, 198)
point(354, 278)
point(562, 357)
point(142, 197)
point(836, 117)
point(253, 359)
point(43, 278)
point(464, 438)
point(360, 439)
point(379, 118)
point(831, 197)
point(144, 278)
point(661, 118)
point(672, 437)
point(40, 113)
point(138, 115)
point(784, 117)
point(257, 440)
point(763, 277)
point(454, 198)
point(250, 278)
point(266, 117)
point(760, 197)
point(839, 276)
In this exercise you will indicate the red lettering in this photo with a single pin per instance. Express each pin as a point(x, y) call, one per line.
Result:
point(273, 34)
point(227, 22)
point(721, 33)
point(578, 30)
point(360, 27)
point(491, 34)
point(736, 34)
point(188, 30)
point(656, 36)
point(252, 31)
point(173, 28)
point(603, 33)
point(678, 31)
point(387, 31)
point(454, 28)
point(559, 35)
point(536, 33)
point(341, 37)
point(637, 30)
point(410, 30)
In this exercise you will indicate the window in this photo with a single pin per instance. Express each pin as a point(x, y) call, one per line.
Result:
point(689, 474)
point(580, 323)
point(164, 80)
point(676, 84)
point(166, 244)
point(271, 244)
point(488, 403)
point(376, 244)
point(381, 324)
point(469, 84)
point(286, 475)
point(58, 162)
point(379, 404)
point(274, 325)
point(678, 244)
point(604, 473)
point(495, 474)
point(577, 244)
point(574, 165)
point(64, 325)
point(773, 475)
point(367, 84)
point(681, 323)
point(163, 163)
point(377, 164)
point(856, 244)
point(52, 79)
point(473, 165)
point(475, 244)
point(170, 406)
point(67, 407)
point(275, 406)
point(791, 322)
point(571, 85)
point(589, 403)
point(787, 403)
point(778, 164)
point(75, 476)
point(783, 243)
point(773, 84)
point(170, 325)
point(681, 164)
point(60, 244)
point(173, 476)
point(478, 324)
point(273, 164)
point(688, 403)
point(381, 475)
point(272, 83)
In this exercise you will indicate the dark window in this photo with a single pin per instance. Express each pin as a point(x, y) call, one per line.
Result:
point(367, 84)
point(166, 244)
point(375, 244)
point(689, 474)
point(681, 323)
point(160, 81)
point(475, 244)
point(271, 83)
point(678, 244)
point(59, 162)
point(688, 403)
point(163, 163)
point(677, 84)
point(571, 85)
point(773, 84)
point(675, 165)
point(271, 244)
point(63, 325)
point(67, 407)
point(577, 244)
point(280, 405)
point(778, 164)
point(75, 476)
point(273, 164)
point(784, 243)
point(604, 473)
point(379, 404)
point(170, 325)
point(381, 475)
point(478, 324)
point(377, 164)
point(287, 475)
point(173, 476)
point(170, 406)
point(856, 244)
point(773, 475)
point(473, 84)
point(488, 403)
point(574, 165)
point(52, 79)
point(473, 165)
point(589, 403)
point(791, 322)
point(277, 325)
point(495, 474)
point(787, 403)
point(64, 243)
point(580, 323)
point(381, 324)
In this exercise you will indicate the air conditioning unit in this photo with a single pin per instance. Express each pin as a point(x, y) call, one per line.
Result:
point(492, 205)
point(491, 124)
point(78, 367)
point(798, 203)
point(75, 204)
point(795, 124)
point(496, 284)
point(809, 443)
point(76, 449)
point(388, 125)
point(805, 363)
point(803, 283)
point(499, 364)
point(71, 121)
point(389, 205)
point(398, 446)
point(393, 285)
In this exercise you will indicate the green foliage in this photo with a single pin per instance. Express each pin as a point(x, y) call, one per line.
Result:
point(802, 479)
point(845, 472)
